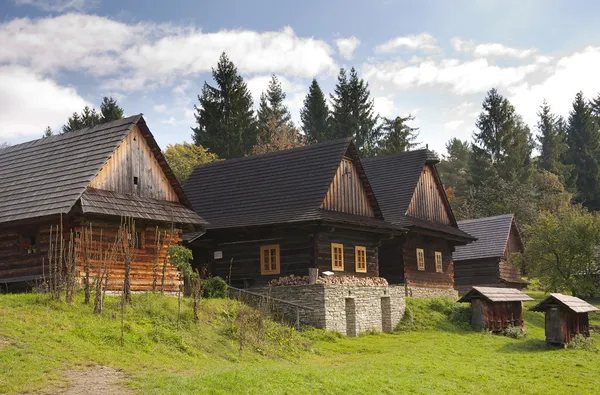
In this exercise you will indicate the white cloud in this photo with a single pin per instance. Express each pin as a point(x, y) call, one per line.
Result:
point(464, 77)
point(453, 125)
point(491, 50)
point(461, 109)
point(423, 41)
point(571, 74)
point(346, 46)
point(31, 102)
point(58, 5)
point(160, 108)
point(134, 56)
point(385, 107)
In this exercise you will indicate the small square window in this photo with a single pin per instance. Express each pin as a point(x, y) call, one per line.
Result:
point(135, 180)
point(269, 259)
point(439, 267)
point(420, 259)
point(360, 256)
point(337, 257)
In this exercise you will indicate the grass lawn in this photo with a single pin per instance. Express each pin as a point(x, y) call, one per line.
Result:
point(41, 340)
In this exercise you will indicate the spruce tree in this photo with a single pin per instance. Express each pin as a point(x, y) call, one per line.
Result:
point(397, 136)
point(502, 146)
point(272, 112)
point(110, 110)
point(551, 143)
point(454, 166)
point(314, 115)
point(225, 118)
point(353, 112)
point(88, 118)
point(583, 140)
point(48, 132)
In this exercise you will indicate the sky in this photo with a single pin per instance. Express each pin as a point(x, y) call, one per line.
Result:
point(432, 59)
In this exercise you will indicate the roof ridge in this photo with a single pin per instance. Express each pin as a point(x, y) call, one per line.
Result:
point(75, 133)
point(482, 219)
point(276, 153)
point(399, 154)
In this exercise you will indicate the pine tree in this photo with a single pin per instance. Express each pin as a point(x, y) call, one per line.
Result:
point(225, 117)
point(315, 115)
point(454, 166)
point(276, 137)
point(48, 132)
point(272, 113)
point(503, 145)
point(583, 141)
point(110, 110)
point(551, 143)
point(353, 113)
point(595, 104)
point(397, 136)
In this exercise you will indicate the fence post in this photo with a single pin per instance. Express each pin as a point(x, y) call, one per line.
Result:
point(297, 318)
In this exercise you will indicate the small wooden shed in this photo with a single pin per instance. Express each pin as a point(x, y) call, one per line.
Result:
point(496, 309)
point(566, 316)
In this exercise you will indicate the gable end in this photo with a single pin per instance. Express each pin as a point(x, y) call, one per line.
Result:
point(429, 200)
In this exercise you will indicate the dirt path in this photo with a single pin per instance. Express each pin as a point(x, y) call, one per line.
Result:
point(99, 380)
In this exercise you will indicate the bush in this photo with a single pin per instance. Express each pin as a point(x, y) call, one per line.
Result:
point(324, 335)
point(515, 332)
point(214, 287)
point(461, 315)
point(580, 342)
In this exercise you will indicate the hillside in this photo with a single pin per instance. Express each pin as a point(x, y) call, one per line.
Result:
point(51, 347)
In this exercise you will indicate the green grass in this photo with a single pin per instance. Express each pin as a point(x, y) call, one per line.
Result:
point(40, 340)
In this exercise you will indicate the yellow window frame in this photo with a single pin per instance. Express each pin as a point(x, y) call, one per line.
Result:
point(420, 259)
point(360, 259)
point(337, 257)
point(266, 259)
point(439, 265)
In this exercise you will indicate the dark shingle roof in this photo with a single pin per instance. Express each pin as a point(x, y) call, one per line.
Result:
point(394, 179)
point(97, 201)
point(48, 176)
point(492, 236)
point(571, 302)
point(496, 295)
point(279, 187)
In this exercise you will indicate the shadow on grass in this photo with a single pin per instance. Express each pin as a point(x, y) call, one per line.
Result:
point(532, 345)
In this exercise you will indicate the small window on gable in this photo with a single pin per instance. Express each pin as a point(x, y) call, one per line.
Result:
point(135, 180)
point(269, 259)
point(337, 257)
point(438, 262)
point(360, 257)
point(420, 259)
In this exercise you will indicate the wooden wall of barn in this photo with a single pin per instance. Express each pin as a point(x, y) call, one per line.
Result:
point(496, 316)
point(134, 161)
point(428, 277)
point(427, 202)
point(476, 272)
point(143, 272)
point(346, 193)
point(17, 264)
point(349, 239)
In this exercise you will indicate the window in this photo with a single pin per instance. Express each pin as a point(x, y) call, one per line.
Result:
point(360, 256)
point(137, 242)
point(438, 262)
point(27, 242)
point(269, 258)
point(420, 259)
point(337, 257)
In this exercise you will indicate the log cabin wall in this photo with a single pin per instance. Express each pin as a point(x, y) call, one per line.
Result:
point(144, 260)
point(501, 315)
point(349, 239)
point(346, 193)
point(20, 264)
point(427, 202)
point(476, 272)
point(391, 262)
point(428, 278)
point(133, 169)
point(241, 251)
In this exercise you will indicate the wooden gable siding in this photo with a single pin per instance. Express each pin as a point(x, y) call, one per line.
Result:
point(427, 202)
point(346, 193)
point(134, 158)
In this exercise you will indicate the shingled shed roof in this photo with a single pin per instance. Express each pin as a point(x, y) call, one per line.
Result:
point(97, 201)
point(571, 302)
point(48, 176)
point(279, 187)
point(394, 179)
point(496, 295)
point(492, 236)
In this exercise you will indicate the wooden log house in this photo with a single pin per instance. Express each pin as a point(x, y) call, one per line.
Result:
point(566, 316)
point(284, 212)
point(94, 178)
point(496, 309)
point(485, 262)
point(410, 194)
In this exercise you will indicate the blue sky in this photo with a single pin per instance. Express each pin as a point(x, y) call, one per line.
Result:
point(433, 59)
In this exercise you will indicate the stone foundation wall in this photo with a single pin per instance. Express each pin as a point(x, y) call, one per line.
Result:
point(348, 309)
point(422, 292)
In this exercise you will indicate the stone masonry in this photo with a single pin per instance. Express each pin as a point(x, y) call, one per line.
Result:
point(346, 308)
